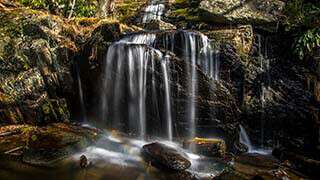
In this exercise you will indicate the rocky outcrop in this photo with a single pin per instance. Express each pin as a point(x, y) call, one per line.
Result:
point(35, 67)
point(44, 145)
point(162, 156)
point(242, 11)
point(271, 90)
point(37, 55)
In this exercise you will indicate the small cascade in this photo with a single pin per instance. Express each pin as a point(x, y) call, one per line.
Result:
point(244, 138)
point(81, 98)
point(153, 11)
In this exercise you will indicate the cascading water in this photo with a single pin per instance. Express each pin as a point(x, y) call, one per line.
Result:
point(244, 138)
point(265, 85)
point(153, 11)
point(125, 80)
point(80, 91)
point(164, 65)
point(129, 59)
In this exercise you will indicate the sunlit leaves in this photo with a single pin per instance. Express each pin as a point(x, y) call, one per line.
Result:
point(82, 8)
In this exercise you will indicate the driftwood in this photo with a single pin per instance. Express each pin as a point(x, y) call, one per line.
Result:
point(13, 150)
point(8, 133)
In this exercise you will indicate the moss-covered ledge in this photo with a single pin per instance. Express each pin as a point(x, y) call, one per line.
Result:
point(44, 145)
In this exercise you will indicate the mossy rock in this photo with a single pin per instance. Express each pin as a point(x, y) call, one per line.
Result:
point(237, 11)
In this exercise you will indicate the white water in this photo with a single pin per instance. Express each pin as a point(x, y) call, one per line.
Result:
point(125, 152)
point(164, 65)
point(131, 57)
point(153, 11)
point(190, 55)
point(131, 62)
point(244, 139)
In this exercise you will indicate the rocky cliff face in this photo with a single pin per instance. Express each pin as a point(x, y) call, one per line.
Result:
point(37, 56)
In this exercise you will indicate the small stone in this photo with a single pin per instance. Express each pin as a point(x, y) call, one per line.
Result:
point(83, 161)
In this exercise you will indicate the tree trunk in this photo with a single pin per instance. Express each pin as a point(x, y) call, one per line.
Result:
point(103, 7)
point(106, 7)
point(72, 9)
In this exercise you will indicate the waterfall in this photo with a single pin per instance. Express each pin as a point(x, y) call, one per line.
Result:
point(244, 138)
point(81, 99)
point(164, 66)
point(127, 65)
point(125, 80)
point(265, 85)
point(153, 11)
point(190, 55)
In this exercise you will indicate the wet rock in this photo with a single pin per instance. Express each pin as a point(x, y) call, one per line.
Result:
point(164, 157)
point(239, 11)
point(207, 147)
point(83, 161)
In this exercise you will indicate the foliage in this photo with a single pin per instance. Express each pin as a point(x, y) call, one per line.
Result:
point(307, 42)
point(302, 18)
point(82, 8)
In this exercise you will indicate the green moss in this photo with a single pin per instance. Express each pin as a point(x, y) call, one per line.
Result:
point(128, 9)
point(181, 12)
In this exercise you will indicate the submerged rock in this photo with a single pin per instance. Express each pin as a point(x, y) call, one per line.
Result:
point(207, 147)
point(164, 157)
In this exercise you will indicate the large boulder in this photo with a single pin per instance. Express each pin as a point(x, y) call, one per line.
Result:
point(165, 157)
point(239, 11)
